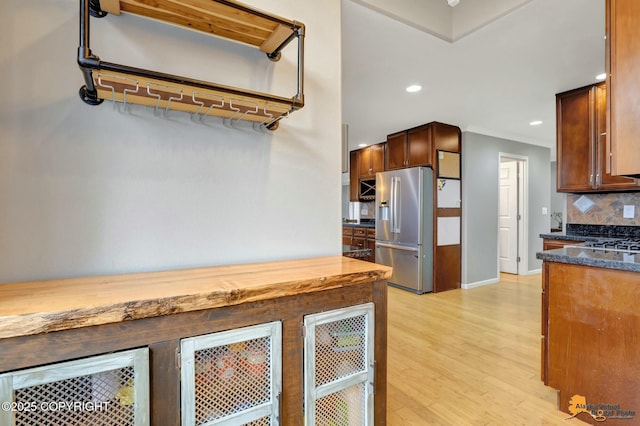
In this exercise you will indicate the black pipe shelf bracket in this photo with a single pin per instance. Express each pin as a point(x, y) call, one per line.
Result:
point(222, 18)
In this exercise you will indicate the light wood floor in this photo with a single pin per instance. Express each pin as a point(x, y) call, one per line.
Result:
point(469, 357)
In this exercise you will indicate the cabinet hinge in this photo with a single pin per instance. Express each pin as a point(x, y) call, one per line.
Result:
point(178, 359)
point(278, 412)
point(303, 330)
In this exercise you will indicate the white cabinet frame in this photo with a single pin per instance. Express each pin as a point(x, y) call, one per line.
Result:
point(188, 348)
point(364, 376)
point(136, 358)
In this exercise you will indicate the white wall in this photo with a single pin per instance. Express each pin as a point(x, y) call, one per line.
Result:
point(88, 190)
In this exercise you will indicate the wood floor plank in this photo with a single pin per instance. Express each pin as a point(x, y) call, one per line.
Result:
point(469, 357)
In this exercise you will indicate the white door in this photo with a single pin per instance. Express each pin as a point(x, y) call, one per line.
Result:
point(508, 217)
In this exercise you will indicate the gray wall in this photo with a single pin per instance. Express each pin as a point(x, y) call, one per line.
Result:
point(558, 199)
point(480, 166)
point(87, 190)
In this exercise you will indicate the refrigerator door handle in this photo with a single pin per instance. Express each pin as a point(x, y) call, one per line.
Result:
point(393, 205)
point(396, 206)
point(393, 246)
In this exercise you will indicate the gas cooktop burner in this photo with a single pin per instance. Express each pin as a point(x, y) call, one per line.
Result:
point(627, 245)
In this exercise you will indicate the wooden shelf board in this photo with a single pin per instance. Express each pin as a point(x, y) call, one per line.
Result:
point(222, 19)
point(181, 97)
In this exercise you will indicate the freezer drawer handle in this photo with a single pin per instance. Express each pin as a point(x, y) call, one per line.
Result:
point(396, 247)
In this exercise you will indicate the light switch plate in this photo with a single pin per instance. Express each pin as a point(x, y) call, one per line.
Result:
point(629, 212)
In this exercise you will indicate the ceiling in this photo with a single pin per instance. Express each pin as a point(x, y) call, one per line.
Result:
point(491, 73)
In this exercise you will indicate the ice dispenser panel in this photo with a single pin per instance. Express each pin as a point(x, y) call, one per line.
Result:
point(383, 211)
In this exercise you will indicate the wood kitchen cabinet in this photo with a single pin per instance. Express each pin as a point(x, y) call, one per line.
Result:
point(347, 235)
point(582, 154)
point(622, 61)
point(354, 179)
point(590, 324)
point(417, 146)
point(359, 236)
point(363, 165)
point(371, 160)
point(409, 148)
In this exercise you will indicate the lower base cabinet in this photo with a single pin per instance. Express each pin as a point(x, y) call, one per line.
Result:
point(232, 377)
point(99, 390)
point(306, 357)
point(339, 366)
point(229, 377)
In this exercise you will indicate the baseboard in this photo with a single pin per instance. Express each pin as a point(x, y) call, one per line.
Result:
point(534, 272)
point(480, 283)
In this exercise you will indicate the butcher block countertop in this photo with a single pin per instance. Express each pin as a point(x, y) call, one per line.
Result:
point(34, 307)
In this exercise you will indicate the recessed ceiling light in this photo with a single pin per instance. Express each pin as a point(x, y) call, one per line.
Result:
point(362, 145)
point(414, 88)
point(601, 77)
point(535, 123)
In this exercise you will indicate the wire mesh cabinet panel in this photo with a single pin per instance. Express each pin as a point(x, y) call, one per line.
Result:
point(232, 377)
point(110, 389)
point(339, 366)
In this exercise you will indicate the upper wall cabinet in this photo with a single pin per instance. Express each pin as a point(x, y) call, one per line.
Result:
point(221, 18)
point(581, 148)
point(417, 146)
point(623, 68)
point(371, 160)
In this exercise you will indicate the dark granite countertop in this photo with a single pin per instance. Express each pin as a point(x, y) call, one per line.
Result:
point(589, 257)
point(568, 237)
point(360, 225)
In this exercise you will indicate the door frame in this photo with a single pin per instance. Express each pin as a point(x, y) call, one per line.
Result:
point(523, 203)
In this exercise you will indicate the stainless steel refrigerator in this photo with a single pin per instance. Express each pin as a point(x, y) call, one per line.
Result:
point(404, 226)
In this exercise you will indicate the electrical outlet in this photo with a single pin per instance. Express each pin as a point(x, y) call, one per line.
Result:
point(629, 212)
point(544, 210)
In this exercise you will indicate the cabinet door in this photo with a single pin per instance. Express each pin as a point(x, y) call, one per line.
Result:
point(396, 151)
point(359, 242)
point(232, 377)
point(354, 178)
point(338, 357)
point(623, 67)
point(347, 235)
point(604, 179)
point(575, 145)
point(377, 157)
point(419, 146)
point(364, 162)
point(99, 390)
point(445, 137)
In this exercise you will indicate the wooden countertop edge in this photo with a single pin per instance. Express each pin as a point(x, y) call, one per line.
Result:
point(226, 289)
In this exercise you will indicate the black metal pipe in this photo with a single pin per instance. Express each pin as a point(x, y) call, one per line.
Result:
point(88, 93)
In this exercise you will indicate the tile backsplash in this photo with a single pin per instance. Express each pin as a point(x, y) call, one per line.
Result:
point(607, 209)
